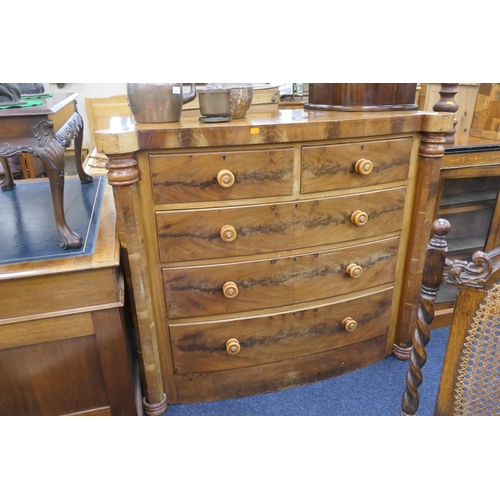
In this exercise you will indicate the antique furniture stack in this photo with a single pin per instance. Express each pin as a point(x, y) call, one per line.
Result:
point(273, 251)
point(64, 343)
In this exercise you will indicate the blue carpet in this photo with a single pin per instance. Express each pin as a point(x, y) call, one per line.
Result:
point(28, 230)
point(372, 391)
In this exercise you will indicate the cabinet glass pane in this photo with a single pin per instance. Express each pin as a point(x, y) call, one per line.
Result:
point(468, 204)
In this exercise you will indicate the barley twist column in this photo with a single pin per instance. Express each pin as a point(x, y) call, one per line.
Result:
point(431, 281)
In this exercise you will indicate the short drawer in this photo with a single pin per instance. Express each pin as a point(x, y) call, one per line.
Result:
point(221, 176)
point(342, 166)
point(186, 235)
point(245, 286)
point(212, 346)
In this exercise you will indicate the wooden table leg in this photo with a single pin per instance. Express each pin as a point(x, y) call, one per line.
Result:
point(8, 181)
point(52, 156)
point(73, 129)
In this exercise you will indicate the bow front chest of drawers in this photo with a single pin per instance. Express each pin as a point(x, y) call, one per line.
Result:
point(272, 251)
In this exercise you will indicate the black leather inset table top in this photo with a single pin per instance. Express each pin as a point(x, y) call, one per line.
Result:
point(27, 226)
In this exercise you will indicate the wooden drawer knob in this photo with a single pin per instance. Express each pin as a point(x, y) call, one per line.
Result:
point(359, 218)
point(363, 167)
point(233, 346)
point(349, 324)
point(354, 271)
point(225, 178)
point(228, 233)
point(230, 290)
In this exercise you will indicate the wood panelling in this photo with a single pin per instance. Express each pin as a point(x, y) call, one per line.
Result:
point(53, 378)
point(64, 347)
point(45, 330)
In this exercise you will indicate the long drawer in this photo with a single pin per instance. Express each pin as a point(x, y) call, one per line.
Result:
point(258, 284)
point(206, 346)
point(340, 166)
point(197, 177)
point(186, 235)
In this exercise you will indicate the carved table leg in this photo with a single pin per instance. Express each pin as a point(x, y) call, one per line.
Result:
point(8, 182)
point(52, 156)
point(431, 282)
point(73, 129)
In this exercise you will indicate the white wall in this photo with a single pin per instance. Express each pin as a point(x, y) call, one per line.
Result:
point(87, 90)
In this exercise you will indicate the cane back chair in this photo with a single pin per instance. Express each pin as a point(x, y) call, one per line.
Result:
point(470, 379)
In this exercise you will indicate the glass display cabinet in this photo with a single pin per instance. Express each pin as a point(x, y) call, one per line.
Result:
point(468, 198)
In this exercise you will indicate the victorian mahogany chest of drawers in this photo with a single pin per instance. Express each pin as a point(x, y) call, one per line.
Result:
point(272, 251)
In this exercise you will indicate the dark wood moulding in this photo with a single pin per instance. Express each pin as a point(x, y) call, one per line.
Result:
point(362, 96)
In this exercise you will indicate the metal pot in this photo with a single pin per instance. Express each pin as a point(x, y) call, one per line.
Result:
point(158, 102)
point(214, 104)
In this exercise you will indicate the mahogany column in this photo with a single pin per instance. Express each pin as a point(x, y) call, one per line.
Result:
point(123, 175)
point(430, 153)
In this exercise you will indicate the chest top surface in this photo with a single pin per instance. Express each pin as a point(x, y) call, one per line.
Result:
point(291, 125)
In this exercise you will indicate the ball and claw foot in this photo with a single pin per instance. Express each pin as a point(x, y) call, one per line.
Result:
point(69, 239)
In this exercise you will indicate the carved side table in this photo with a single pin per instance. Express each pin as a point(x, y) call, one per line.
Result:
point(31, 130)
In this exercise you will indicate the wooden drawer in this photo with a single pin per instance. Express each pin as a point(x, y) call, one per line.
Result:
point(228, 288)
point(333, 167)
point(247, 174)
point(186, 235)
point(201, 347)
point(77, 291)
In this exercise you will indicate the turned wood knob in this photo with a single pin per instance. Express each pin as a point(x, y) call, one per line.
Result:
point(233, 346)
point(354, 271)
point(363, 167)
point(225, 178)
point(230, 290)
point(359, 218)
point(228, 233)
point(349, 324)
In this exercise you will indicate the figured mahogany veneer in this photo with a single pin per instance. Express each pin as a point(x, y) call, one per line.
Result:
point(274, 282)
point(271, 251)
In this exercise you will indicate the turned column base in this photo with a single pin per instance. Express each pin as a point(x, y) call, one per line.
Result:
point(402, 353)
point(155, 409)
